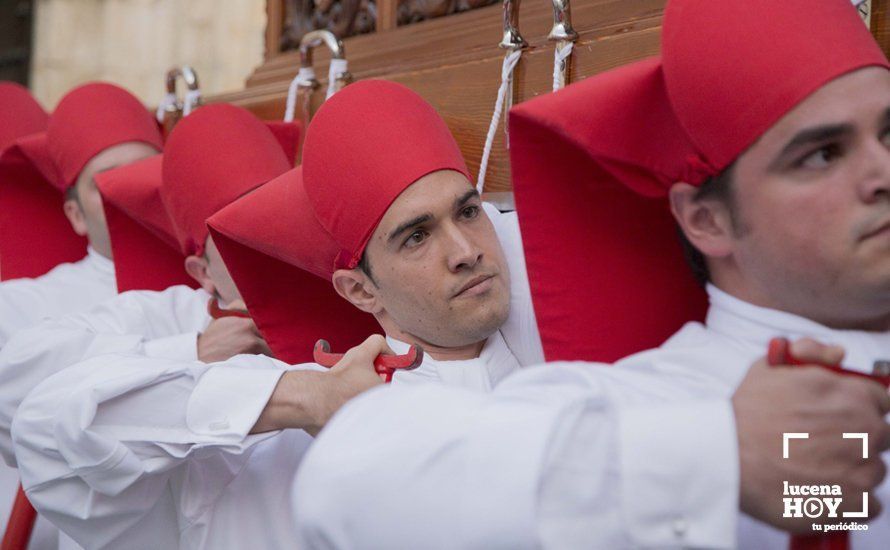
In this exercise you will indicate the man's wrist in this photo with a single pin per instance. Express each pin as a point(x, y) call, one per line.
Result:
point(296, 403)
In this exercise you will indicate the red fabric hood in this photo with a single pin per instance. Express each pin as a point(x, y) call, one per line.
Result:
point(352, 177)
point(35, 235)
point(143, 238)
point(592, 164)
point(20, 114)
point(92, 118)
point(283, 267)
point(213, 156)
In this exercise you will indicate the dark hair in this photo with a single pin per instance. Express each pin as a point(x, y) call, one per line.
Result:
point(719, 188)
point(365, 265)
point(71, 194)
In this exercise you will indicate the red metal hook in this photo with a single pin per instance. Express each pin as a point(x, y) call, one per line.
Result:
point(778, 354)
point(21, 523)
point(385, 365)
point(217, 312)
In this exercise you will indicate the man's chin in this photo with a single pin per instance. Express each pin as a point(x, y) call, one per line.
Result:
point(485, 323)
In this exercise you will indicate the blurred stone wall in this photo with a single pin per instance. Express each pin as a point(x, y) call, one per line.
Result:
point(134, 42)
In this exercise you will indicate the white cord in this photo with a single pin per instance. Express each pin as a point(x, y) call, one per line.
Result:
point(338, 67)
point(192, 98)
point(169, 100)
point(560, 56)
point(510, 61)
point(305, 76)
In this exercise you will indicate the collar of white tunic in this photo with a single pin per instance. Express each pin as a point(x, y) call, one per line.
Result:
point(754, 326)
point(98, 262)
point(494, 363)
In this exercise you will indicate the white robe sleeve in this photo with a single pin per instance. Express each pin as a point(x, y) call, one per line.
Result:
point(155, 324)
point(520, 331)
point(109, 448)
point(67, 288)
point(21, 305)
point(556, 457)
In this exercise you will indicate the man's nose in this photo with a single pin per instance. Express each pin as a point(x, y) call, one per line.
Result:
point(463, 253)
point(875, 186)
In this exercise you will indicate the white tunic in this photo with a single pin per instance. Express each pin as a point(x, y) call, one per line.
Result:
point(125, 450)
point(520, 331)
point(564, 455)
point(155, 324)
point(495, 362)
point(65, 289)
point(736, 334)
point(192, 481)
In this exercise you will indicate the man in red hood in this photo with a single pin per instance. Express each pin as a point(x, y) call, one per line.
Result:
point(214, 156)
point(48, 167)
point(455, 307)
point(94, 128)
point(765, 124)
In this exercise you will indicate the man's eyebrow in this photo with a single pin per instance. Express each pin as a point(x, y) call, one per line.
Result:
point(885, 118)
point(815, 135)
point(423, 218)
point(465, 198)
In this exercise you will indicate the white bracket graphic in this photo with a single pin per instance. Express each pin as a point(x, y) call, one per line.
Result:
point(863, 437)
point(789, 436)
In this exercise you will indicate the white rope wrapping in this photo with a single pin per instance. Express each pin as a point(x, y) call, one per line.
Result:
point(338, 67)
point(304, 77)
point(192, 98)
point(169, 99)
point(560, 56)
point(510, 61)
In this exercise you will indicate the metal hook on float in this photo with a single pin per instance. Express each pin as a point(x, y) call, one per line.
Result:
point(565, 36)
point(171, 108)
point(513, 42)
point(305, 83)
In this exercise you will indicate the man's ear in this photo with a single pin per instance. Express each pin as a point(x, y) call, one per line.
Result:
point(196, 267)
point(355, 287)
point(707, 223)
point(74, 213)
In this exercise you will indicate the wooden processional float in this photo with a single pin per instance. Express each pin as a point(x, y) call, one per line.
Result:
point(453, 53)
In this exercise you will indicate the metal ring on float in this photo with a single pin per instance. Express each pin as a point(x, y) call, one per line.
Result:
point(564, 35)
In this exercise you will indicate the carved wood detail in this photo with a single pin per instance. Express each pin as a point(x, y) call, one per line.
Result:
point(414, 11)
point(344, 18)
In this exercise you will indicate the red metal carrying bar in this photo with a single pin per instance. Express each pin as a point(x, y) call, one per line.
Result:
point(385, 365)
point(21, 523)
point(778, 354)
point(217, 312)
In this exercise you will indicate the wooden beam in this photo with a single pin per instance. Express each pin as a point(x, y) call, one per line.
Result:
point(455, 63)
point(274, 27)
point(387, 15)
point(880, 23)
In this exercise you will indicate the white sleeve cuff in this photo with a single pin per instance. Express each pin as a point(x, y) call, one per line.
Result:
point(680, 474)
point(182, 347)
point(227, 401)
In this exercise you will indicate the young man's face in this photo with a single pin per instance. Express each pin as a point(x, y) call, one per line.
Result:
point(85, 210)
point(437, 271)
point(812, 203)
